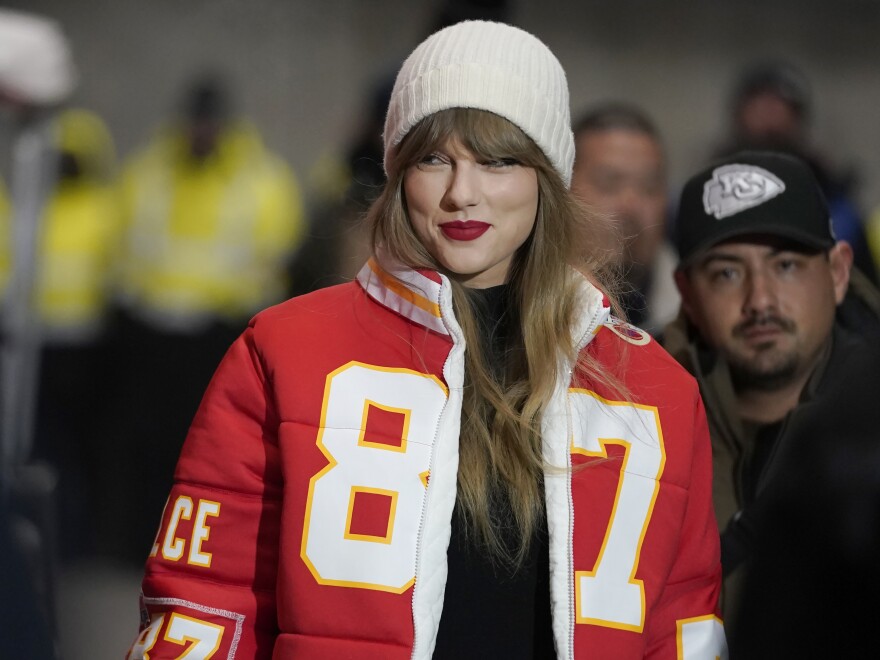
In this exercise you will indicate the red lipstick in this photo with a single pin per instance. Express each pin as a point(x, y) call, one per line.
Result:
point(464, 230)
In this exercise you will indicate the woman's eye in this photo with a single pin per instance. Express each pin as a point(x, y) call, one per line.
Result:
point(501, 162)
point(430, 159)
point(433, 159)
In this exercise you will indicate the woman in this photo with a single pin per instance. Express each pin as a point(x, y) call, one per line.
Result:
point(461, 453)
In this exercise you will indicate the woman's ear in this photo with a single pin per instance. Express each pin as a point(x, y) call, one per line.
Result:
point(840, 261)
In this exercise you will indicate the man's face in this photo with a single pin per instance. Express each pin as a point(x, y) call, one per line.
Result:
point(621, 172)
point(204, 135)
point(766, 305)
point(766, 119)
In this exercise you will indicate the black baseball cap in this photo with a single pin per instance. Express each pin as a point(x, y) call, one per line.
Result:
point(752, 192)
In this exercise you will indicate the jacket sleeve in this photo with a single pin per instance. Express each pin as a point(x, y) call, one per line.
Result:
point(686, 623)
point(209, 584)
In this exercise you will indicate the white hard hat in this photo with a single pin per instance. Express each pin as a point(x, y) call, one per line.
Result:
point(35, 61)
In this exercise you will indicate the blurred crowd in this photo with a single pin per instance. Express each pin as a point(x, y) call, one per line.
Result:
point(140, 269)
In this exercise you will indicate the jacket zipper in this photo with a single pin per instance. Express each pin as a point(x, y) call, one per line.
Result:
point(418, 556)
point(572, 616)
point(455, 334)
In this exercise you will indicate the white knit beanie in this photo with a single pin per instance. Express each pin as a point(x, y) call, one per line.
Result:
point(489, 66)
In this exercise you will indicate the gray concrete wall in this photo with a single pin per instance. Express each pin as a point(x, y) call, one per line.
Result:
point(302, 68)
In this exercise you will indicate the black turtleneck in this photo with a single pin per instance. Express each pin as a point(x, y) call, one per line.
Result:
point(488, 611)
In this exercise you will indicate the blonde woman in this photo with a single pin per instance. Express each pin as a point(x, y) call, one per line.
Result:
point(462, 454)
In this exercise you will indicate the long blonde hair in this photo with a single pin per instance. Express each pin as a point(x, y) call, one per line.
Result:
point(500, 447)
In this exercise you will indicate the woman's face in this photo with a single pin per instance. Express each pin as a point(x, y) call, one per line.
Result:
point(472, 215)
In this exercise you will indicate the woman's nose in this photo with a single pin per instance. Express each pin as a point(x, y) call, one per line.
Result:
point(464, 186)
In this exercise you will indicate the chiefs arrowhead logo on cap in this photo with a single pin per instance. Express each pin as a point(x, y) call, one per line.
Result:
point(734, 188)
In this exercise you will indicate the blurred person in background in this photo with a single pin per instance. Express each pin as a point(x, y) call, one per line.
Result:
point(771, 326)
point(37, 75)
point(75, 255)
point(211, 218)
point(771, 107)
point(817, 533)
point(620, 170)
point(25, 629)
point(873, 233)
point(341, 190)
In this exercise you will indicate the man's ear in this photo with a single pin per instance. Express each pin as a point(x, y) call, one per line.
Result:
point(840, 259)
point(684, 289)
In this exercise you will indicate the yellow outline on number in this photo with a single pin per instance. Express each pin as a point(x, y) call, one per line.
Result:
point(176, 616)
point(332, 463)
point(390, 526)
point(381, 445)
point(655, 433)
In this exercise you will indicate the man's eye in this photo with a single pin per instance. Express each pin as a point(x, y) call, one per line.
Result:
point(787, 265)
point(723, 275)
point(652, 189)
point(609, 185)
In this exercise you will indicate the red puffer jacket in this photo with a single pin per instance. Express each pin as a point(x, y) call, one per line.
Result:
point(311, 510)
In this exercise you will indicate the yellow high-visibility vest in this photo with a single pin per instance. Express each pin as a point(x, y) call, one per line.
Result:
point(872, 230)
point(210, 239)
point(77, 237)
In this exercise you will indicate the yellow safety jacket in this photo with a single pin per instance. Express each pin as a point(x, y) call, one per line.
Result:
point(873, 234)
point(5, 237)
point(77, 237)
point(206, 240)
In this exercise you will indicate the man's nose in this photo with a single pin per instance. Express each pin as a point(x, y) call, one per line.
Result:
point(760, 294)
point(628, 201)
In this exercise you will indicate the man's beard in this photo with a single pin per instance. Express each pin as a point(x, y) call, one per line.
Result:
point(759, 373)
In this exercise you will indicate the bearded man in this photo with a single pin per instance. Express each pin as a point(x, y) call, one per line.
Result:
point(774, 321)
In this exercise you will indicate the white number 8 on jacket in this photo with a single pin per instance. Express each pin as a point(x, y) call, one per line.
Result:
point(364, 508)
